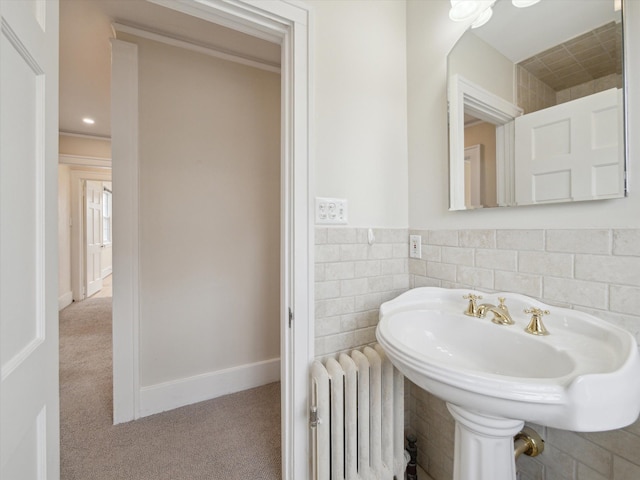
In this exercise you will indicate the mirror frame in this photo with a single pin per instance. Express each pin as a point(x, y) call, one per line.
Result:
point(486, 106)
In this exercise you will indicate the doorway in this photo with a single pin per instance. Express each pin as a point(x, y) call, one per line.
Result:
point(98, 242)
point(274, 22)
point(84, 269)
point(287, 23)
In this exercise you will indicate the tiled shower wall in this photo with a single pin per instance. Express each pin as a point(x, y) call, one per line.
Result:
point(596, 271)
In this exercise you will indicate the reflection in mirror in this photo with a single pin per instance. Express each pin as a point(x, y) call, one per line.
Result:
point(538, 90)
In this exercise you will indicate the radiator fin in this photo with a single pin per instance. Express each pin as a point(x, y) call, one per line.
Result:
point(360, 406)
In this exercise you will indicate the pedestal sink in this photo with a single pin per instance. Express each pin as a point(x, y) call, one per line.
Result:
point(583, 376)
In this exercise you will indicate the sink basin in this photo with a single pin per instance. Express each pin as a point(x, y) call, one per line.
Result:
point(583, 376)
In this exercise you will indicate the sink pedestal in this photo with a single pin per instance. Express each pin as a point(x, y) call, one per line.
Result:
point(483, 446)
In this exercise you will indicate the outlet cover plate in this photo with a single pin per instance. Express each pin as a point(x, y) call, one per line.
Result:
point(415, 246)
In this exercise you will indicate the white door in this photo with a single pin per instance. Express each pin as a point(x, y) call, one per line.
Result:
point(29, 410)
point(93, 236)
point(107, 229)
point(571, 151)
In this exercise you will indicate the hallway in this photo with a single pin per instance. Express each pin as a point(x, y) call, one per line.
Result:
point(231, 437)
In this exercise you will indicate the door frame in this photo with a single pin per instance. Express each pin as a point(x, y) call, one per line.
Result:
point(286, 22)
point(78, 247)
point(466, 96)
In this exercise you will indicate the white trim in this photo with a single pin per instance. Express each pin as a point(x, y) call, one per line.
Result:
point(107, 271)
point(235, 14)
point(84, 161)
point(505, 164)
point(76, 179)
point(186, 391)
point(66, 133)
point(464, 95)
point(126, 250)
point(65, 300)
point(210, 50)
point(286, 23)
point(630, 38)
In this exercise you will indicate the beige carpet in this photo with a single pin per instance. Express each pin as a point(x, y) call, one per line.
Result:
point(232, 437)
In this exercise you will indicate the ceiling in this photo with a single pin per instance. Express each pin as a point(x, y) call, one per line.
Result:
point(590, 56)
point(85, 52)
point(521, 33)
point(86, 30)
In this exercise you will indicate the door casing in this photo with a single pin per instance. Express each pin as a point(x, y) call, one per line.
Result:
point(288, 24)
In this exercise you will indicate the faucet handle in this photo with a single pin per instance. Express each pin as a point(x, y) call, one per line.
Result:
point(471, 296)
point(472, 308)
point(501, 300)
point(536, 327)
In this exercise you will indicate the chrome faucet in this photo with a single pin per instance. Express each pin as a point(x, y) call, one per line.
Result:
point(501, 315)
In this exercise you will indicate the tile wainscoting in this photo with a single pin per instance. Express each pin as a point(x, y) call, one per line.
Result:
point(352, 280)
point(596, 271)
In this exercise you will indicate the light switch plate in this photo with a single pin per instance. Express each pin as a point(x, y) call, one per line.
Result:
point(331, 211)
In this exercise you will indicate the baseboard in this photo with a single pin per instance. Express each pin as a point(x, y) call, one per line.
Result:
point(65, 300)
point(107, 271)
point(185, 391)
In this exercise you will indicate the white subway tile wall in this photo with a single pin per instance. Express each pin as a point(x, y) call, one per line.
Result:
point(352, 280)
point(595, 270)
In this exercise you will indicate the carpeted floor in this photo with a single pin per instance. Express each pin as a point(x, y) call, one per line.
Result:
point(231, 437)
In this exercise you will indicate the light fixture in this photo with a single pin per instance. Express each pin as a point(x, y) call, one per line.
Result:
point(88, 121)
point(462, 10)
point(478, 11)
point(482, 18)
point(524, 3)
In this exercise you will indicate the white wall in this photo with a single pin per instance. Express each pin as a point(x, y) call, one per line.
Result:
point(430, 36)
point(64, 237)
point(480, 63)
point(359, 84)
point(209, 216)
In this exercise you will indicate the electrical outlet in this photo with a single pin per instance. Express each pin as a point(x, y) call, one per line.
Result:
point(415, 246)
point(331, 211)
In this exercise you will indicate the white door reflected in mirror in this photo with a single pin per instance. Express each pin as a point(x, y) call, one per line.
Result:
point(565, 88)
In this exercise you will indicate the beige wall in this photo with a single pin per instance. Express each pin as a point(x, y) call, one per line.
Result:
point(84, 147)
point(485, 134)
point(209, 151)
point(360, 90)
point(430, 36)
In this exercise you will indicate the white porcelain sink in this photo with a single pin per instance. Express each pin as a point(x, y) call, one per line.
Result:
point(583, 376)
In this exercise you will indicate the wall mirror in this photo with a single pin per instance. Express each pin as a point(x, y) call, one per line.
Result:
point(536, 106)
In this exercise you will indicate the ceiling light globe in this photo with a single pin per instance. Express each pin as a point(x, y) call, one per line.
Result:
point(524, 3)
point(483, 18)
point(462, 10)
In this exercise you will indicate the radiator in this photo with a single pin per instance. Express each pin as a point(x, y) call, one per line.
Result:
point(357, 417)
